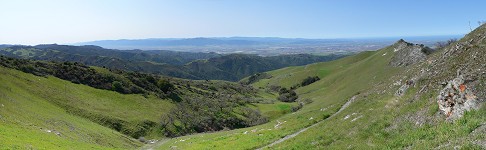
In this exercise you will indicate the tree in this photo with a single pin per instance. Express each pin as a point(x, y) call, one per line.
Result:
point(309, 80)
point(165, 85)
point(287, 95)
point(440, 45)
point(117, 86)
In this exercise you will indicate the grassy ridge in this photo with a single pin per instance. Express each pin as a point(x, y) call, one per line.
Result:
point(377, 119)
point(30, 120)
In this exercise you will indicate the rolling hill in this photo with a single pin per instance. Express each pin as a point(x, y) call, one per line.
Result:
point(51, 105)
point(404, 96)
point(199, 66)
point(365, 101)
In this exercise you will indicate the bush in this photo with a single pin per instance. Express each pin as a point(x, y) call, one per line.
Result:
point(165, 85)
point(257, 77)
point(296, 108)
point(117, 86)
point(287, 95)
point(309, 80)
point(203, 115)
point(274, 88)
point(440, 45)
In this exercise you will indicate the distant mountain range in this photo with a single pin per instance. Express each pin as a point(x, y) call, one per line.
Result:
point(209, 41)
point(265, 46)
point(231, 67)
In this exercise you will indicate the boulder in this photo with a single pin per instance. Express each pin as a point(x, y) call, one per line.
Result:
point(456, 98)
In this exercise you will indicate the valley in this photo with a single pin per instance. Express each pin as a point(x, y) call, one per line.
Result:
point(242, 75)
point(350, 102)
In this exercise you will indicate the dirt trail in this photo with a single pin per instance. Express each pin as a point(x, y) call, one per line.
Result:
point(305, 129)
point(352, 99)
point(155, 145)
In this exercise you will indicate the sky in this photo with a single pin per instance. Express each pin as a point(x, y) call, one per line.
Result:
point(70, 21)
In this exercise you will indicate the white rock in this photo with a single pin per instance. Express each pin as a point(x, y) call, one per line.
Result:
point(356, 118)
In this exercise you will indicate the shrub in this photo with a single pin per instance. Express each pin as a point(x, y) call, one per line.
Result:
point(257, 77)
point(296, 108)
point(440, 45)
point(203, 115)
point(309, 80)
point(165, 85)
point(287, 95)
point(274, 88)
point(117, 86)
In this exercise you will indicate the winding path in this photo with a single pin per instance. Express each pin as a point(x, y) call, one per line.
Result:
point(155, 145)
point(305, 129)
point(351, 100)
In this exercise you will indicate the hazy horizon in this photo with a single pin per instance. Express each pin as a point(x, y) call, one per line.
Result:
point(408, 38)
point(63, 22)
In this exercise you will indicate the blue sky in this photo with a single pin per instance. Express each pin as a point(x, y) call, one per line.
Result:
point(69, 21)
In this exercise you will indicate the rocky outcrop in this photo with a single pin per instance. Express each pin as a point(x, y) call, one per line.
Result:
point(407, 53)
point(401, 91)
point(456, 98)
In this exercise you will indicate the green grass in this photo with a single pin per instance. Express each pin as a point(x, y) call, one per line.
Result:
point(275, 110)
point(340, 80)
point(26, 116)
point(101, 105)
point(377, 120)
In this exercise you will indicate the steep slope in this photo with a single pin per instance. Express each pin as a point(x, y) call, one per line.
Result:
point(145, 105)
point(391, 106)
point(29, 119)
point(381, 118)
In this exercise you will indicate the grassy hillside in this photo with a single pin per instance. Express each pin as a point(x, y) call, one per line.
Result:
point(377, 117)
point(336, 76)
point(359, 102)
point(29, 119)
point(382, 120)
point(50, 113)
point(157, 106)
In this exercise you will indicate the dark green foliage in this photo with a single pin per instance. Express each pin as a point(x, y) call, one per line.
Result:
point(237, 66)
point(200, 105)
point(309, 80)
point(165, 85)
point(198, 66)
point(127, 83)
point(117, 86)
point(202, 115)
point(256, 77)
point(286, 95)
